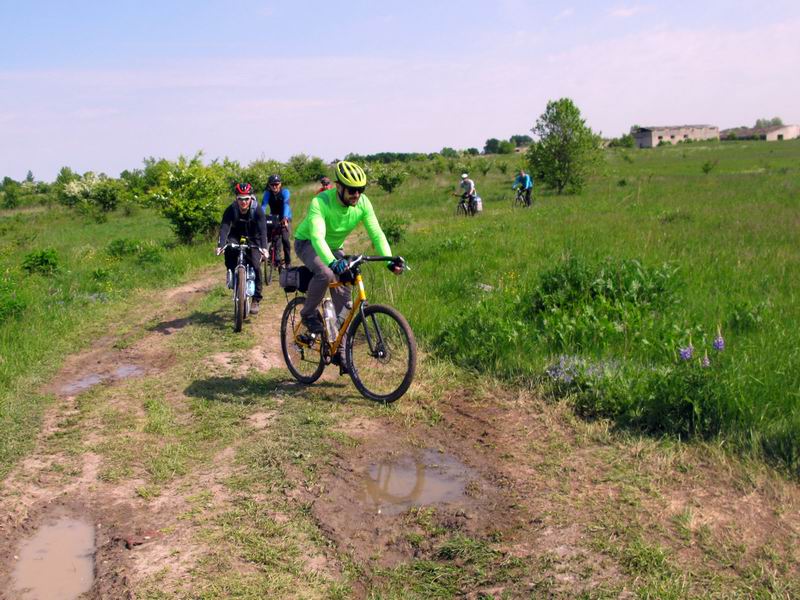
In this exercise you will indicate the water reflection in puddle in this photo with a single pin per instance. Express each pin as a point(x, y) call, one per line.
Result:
point(57, 562)
point(123, 371)
point(430, 477)
point(83, 384)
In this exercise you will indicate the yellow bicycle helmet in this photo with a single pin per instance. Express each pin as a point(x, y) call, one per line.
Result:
point(350, 174)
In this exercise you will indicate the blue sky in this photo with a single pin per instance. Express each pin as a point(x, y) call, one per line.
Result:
point(99, 86)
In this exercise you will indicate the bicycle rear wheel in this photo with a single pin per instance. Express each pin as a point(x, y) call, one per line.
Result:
point(302, 353)
point(239, 297)
point(381, 353)
point(269, 265)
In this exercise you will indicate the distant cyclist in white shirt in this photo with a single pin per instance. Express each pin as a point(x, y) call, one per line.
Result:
point(468, 186)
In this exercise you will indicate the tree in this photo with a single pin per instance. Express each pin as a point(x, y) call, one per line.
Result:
point(521, 140)
point(29, 176)
point(472, 151)
point(506, 147)
point(449, 152)
point(567, 151)
point(624, 141)
point(10, 193)
point(773, 122)
point(491, 146)
point(390, 177)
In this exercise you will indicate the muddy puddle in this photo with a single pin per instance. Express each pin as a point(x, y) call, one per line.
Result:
point(57, 561)
point(77, 386)
point(423, 479)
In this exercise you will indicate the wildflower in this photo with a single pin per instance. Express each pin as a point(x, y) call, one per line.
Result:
point(719, 341)
point(705, 363)
point(687, 353)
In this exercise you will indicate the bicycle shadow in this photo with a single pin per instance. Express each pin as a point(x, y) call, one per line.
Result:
point(215, 320)
point(250, 390)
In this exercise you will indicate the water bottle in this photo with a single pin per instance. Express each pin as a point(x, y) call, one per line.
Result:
point(329, 317)
point(251, 281)
point(343, 313)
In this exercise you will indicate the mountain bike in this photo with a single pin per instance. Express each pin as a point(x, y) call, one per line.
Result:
point(380, 352)
point(272, 262)
point(465, 206)
point(242, 281)
point(519, 199)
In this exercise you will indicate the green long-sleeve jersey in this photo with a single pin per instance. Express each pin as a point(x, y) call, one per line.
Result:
point(329, 222)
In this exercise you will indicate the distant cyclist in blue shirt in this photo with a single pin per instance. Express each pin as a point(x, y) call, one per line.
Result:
point(276, 203)
point(524, 181)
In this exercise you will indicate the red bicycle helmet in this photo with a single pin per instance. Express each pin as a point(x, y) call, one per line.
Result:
point(244, 189)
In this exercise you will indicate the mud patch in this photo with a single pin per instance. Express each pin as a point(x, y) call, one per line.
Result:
point(75, 387)
point(425, 478)
point(368, 507)
point(57, 561)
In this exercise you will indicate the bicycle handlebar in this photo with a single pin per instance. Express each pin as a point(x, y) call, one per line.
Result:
point(356, 260)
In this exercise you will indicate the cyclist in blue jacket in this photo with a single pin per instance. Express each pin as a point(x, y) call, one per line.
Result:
point(524, 180)
point(276, 202)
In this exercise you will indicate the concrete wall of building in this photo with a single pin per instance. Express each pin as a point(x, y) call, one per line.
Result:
point(647, 138)
point(789, 132)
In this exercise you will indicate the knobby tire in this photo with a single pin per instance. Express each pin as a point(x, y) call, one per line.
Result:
point(305, 363)
point(381, 378)
point(239, 298)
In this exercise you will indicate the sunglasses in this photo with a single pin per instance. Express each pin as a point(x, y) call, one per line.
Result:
point(274, 184)
point(243, 198)
point(355, 190)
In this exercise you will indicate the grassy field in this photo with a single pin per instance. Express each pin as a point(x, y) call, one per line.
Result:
point(251, 485)
point(594, 296)
point(591, 297)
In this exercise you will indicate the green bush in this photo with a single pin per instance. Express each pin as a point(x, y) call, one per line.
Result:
point(188, 196)
point(10, 303)
point(395, 229)
point(107, 194)
point(390, 178)
point(10, 195)
point(43, 261)
point(589, 307)
point(123, 247)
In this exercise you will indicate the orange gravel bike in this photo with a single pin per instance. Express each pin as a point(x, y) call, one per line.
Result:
point(380, 352)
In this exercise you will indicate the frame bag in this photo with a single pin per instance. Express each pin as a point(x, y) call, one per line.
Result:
point(295, 279)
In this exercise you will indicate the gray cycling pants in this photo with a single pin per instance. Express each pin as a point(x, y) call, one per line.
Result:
point(322, 277)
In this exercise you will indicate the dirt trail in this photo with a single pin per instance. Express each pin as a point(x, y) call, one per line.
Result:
point(545, 487)
point(36, 487)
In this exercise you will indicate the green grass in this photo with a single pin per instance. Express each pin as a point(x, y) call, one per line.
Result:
point(44, 315)
point(730, 240)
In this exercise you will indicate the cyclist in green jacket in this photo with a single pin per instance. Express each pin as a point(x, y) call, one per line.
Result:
point(332, 215)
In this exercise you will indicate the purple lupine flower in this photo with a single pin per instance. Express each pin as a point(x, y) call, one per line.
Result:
point(705, 362)
point(719, 343)
point(687, 353)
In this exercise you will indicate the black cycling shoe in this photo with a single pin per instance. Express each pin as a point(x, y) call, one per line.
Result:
point(254, 307)
point(313, 324)
point(339, 360)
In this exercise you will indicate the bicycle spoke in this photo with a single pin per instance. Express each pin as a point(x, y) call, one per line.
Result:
point(382, 354)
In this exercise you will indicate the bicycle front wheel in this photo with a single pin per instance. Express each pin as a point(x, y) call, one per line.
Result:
point(301, 351)
point(381, 353)
point(461, 210)
point(239, 298)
